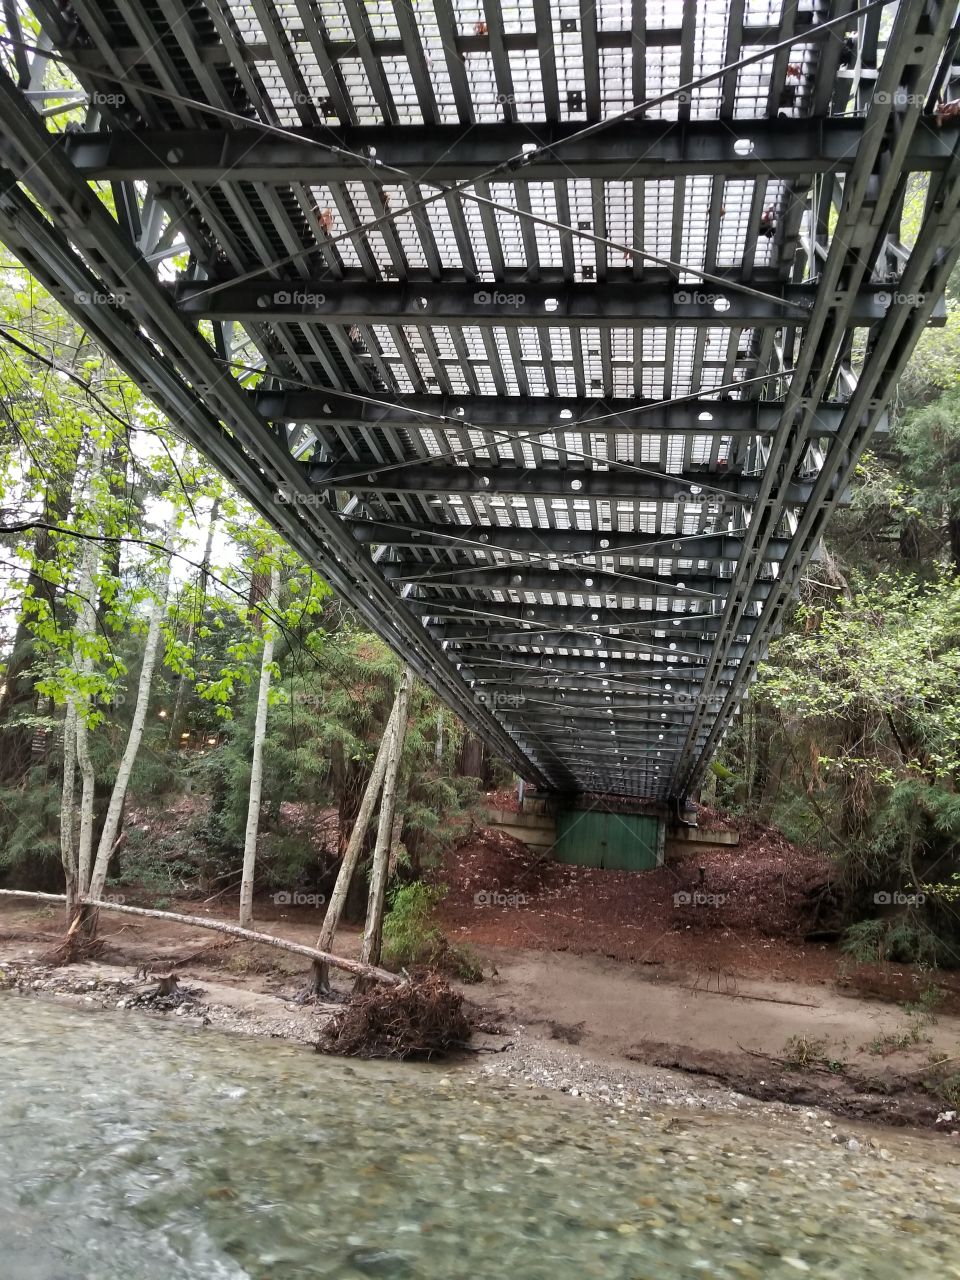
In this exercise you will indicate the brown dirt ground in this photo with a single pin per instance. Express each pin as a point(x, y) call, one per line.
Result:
point(631, 916)
point(757, 931)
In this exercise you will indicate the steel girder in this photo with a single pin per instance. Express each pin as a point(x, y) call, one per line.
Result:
point(605, 306)
point(590, 637)
point(502, 639)
point(533, 416)
point(582, 673)
point(636, 149)
point(509, 490)
point(629, 482)
point(636, 622)
point(666, 586)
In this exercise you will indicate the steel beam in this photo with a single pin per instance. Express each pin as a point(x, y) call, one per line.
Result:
point(639, 622)
point(464, 639)
point(521, 415)
point(635, 746)
point(642, 719)
point(644, 707)
point(543, 615)
point(604, 306)
point(691, 549)
point(631, 584)
point(564, 723)
point(628, 481)
point(690, 588)
point(625, 702)
point(567, 720)
point(548, 544)
point(509, 671)
point(633, 149)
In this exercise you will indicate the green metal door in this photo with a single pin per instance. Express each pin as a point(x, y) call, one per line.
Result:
point(578, 838)
point(616, 841)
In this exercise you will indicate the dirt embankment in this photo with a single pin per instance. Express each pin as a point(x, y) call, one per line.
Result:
point(740, 907)
point(704, 966)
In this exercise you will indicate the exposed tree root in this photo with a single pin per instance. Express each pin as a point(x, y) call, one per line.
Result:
point(422, 1018)
point(77, 945)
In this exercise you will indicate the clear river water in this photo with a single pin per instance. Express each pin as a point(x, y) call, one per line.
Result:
point(133, 1149)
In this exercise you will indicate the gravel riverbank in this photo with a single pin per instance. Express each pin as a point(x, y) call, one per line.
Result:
point(517, 1059)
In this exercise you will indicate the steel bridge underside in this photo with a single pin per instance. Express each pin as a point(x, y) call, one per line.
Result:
point(549, 333)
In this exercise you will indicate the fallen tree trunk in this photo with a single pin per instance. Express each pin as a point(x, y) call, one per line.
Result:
point(219, 926)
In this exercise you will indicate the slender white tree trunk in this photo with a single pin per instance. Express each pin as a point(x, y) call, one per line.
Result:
point(373, 930)
point(256, 766)
point(87, 618)
point(67, 852)
point(87, 793)
point(328, 930)
point(76, 861)
point(151, 650)
point(352, 855)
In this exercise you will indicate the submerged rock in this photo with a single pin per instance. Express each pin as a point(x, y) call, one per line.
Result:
point(380, 1262)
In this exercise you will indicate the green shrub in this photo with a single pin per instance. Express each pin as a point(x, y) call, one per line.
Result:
point(30, 835)
point(411, 938)
point(160, 866)
point(900, 940)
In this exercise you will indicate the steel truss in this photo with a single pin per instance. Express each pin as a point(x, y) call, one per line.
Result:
point(561, 364)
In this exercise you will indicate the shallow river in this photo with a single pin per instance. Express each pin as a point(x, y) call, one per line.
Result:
point(131, 1149)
